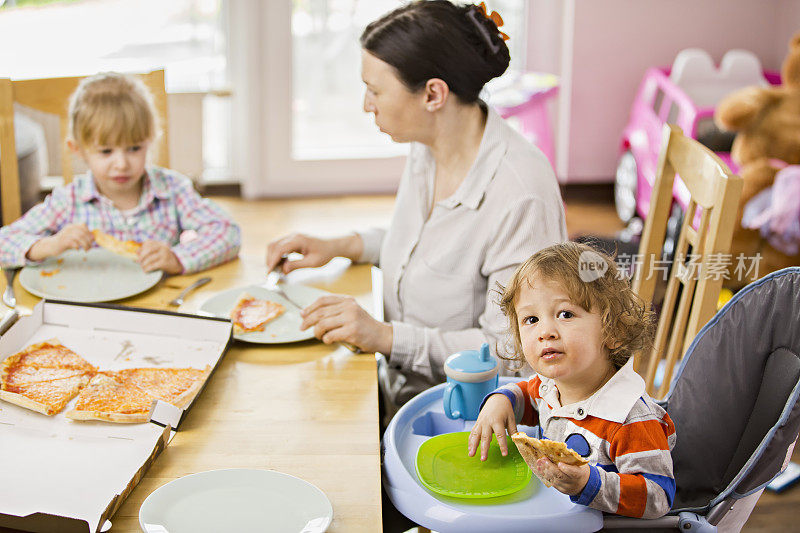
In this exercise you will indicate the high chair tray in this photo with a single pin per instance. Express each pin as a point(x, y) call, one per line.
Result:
point(533, 508)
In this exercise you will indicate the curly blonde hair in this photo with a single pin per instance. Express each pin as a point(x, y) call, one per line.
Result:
point(627, 323)
point(112, 109)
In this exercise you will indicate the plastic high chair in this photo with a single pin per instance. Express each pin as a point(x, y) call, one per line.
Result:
point(735, 403)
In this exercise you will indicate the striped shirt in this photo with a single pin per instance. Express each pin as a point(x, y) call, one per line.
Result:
point(620, 430)
point(168, 207)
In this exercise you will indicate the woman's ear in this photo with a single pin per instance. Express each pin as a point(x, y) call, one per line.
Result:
point(436, 94)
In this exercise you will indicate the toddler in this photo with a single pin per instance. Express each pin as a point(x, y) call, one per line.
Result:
point(578, 323)
point(112, 125)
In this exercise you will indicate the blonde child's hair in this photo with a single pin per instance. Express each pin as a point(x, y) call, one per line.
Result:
point(627, 323)
point(112, 109)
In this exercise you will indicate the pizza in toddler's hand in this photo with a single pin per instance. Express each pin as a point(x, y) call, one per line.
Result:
point(251, 314)
point(129, 249)
point(533, 449)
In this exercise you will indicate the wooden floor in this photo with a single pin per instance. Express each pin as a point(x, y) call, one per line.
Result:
point(589, 210)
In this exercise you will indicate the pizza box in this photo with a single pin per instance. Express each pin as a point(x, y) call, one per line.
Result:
point(57, 474)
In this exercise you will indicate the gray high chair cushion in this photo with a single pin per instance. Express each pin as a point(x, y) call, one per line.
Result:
point(738, 379)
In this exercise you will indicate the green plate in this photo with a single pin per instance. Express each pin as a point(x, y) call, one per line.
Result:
point(444, 467)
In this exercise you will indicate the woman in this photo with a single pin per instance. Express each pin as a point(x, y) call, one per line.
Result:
point(475, 200)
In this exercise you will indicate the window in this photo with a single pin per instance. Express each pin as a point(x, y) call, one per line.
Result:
point(327, 92)
point(51, 38)
point(299, 127)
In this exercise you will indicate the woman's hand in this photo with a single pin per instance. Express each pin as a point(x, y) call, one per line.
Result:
point(497, 416)
point(316, 252)
point(71, 237)
point(156, 255)
point(340, 319)
point(569, 479)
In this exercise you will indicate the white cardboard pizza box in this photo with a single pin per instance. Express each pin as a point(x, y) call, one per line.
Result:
point(64, 475)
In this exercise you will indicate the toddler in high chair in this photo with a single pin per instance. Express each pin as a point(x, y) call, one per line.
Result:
point(112, 126)
point(578, 323)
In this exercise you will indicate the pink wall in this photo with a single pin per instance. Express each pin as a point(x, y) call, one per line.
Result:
point(600, 48)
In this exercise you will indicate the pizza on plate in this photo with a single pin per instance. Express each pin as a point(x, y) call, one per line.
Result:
point(129, 249)
point(252, 314)
point(533, 449)
point(44, 377)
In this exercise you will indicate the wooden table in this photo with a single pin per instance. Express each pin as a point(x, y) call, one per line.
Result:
point(304, 409)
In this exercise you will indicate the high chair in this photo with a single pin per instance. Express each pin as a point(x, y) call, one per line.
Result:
point(735, 403)
point(51, 95)
point(693, 285)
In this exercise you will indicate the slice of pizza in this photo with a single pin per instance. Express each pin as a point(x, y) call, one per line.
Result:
point(47, 397)
point(177, 386)
point(533, 449)
point(21, 375)
point(47, 354)
point(105, 398)
point(129, 249)
point(251, 314)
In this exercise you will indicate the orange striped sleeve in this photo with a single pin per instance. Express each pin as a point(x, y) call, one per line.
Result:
point(639, 437)
point(597, 426)
point(530, 391)
point(632, 495)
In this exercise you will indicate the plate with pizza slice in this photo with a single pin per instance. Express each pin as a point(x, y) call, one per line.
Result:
point(263, 316)
point(96, 275)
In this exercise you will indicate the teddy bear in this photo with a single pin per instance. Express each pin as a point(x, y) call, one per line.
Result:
point(767, 125)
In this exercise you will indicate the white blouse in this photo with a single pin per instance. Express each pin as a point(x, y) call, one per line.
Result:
point(442, 272)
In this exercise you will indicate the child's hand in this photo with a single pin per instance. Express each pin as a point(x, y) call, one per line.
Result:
point(497, 416)
point(71, 237)
point(156, 255)
point(569, 479)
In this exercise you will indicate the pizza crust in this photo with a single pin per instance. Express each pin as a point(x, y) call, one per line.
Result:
point(120, 418)
point(129, 249)
point(189, 394)
point(27, 403)
point(534, 449)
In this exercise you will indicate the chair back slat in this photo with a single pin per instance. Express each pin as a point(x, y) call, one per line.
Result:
point(690, 298)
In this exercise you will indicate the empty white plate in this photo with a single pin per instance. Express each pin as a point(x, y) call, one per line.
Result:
point(98, 275)
point(285, 328)
point(236, 500)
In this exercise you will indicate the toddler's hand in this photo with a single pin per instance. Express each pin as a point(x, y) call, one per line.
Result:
point(497, 416)
point(156, 255)
point(71, 237)
point(569, 479)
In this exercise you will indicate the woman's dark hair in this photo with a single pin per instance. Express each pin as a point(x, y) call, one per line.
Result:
point(437, 39)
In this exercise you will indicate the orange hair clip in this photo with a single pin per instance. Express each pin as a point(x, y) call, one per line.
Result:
point(494, 17)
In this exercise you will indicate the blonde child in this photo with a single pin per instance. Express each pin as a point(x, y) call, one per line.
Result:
point(112, 126)
point(577, 323)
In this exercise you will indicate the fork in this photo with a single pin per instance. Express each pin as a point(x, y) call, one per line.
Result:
point(274, 281)
point(8, 295)
point(178, 301)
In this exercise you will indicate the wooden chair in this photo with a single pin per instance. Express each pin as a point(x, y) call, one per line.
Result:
point(51, 95)
point(693, 286)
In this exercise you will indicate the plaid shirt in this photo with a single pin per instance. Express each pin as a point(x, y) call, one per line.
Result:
point(168, 206)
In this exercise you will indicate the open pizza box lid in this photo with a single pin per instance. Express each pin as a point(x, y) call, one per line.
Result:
point(62, 475)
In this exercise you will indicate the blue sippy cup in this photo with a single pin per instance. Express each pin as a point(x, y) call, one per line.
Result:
point(471, 375)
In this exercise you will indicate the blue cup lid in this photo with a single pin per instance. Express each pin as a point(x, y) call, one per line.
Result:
point(478, 363)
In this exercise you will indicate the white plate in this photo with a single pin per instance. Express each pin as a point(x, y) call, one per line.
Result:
point(285, 328)
point(236, 500)
point(94, 276)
